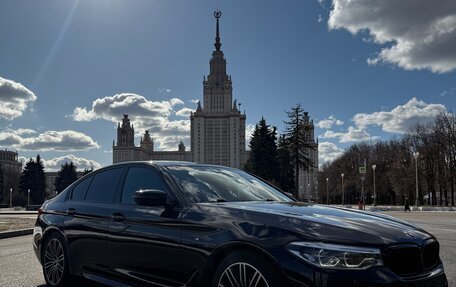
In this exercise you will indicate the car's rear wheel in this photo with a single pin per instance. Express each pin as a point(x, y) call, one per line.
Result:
point(55, 262)
point(245, 269)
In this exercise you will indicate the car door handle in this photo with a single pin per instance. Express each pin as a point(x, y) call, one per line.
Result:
point(118, 217)
point(71, 211)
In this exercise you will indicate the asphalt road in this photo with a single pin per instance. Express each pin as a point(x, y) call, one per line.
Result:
point(20, 268)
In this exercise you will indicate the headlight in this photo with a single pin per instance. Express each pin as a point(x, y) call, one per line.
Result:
point(336, 256)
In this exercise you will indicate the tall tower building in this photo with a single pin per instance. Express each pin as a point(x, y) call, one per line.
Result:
point(218, 127)
point(124, 150)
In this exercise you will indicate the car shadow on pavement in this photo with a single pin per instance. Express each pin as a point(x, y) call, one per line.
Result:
point(85, 284)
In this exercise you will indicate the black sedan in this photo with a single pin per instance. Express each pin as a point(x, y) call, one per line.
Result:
point(186, 224)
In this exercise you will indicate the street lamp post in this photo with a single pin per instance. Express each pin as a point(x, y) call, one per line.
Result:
point(316, 191)
point(11, 197)
point(308, 190)
point(327, 191)
point(374, 166)
point(363, 202)
point(415, 155)
point(343, 201)
point(28, 197)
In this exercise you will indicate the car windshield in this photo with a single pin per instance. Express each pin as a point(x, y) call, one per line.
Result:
point(219, 184)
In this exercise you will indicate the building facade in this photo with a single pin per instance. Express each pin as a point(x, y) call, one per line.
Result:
point(50, 180)
point(10, 171)
point(218, 127)
point(125, 149)
point(308, 178)
point(9, 161)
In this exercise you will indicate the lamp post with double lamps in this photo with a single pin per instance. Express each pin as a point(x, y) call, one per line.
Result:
point(11, 197)
point(416, 155)
point(374, 166)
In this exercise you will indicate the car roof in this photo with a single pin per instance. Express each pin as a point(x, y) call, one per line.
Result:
point(162, 163)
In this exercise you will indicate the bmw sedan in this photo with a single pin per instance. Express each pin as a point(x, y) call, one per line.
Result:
point(186, 224)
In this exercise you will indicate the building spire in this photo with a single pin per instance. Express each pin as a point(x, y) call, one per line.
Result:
point(217, 15)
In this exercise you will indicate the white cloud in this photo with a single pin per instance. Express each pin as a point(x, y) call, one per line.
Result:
point(248, 134)
point(80, 163)
point(328, 152)
point(21, 131)
point(331, 135)
point(14, 98)
point(353, 134)
point(402, 117)
point(413, 35)
point(48, 141)
point(449, 92)
point(144, 115)
point(185, 112)
point(329, 122)
point(195, 101)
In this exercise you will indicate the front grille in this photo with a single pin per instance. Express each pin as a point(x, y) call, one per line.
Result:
point(410, 259)
point(403, 259)
point(430, 254)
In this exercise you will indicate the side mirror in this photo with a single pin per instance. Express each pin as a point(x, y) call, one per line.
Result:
point(150, 197)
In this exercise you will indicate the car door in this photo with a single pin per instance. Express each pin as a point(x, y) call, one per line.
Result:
point(144, 240)
point(86, 220)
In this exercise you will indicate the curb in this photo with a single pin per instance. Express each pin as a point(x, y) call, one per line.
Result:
point(18, 213)
point(15, 233)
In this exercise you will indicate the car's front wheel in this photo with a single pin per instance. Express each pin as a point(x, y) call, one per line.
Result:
point(55, 262)
point(245, 269)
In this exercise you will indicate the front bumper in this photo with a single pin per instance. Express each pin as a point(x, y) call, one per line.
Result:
point(37, 236)
point(300, 274)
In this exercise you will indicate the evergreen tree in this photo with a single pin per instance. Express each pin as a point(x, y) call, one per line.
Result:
point(286, 171)
point(263, 152)
point(33, 178)
point(87, 171)
point(296, 142)
point(66, 176)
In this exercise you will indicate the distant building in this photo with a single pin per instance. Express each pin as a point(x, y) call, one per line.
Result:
point(125, 149)
point(9, 161)
point(218, 128)
point(308, 178)
point(50, 180)
point(10, 171)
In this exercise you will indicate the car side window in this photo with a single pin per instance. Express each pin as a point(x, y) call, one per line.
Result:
point(104, 185)
point(140, 178)
point(79, 191)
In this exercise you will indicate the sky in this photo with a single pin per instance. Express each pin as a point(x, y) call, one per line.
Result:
point(364, 70)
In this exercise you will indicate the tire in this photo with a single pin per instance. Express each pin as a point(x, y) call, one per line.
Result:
point(55, 262)
point(246, 269)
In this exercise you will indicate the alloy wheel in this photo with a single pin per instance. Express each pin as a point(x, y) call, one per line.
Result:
point(54, 261)
point(241, 274)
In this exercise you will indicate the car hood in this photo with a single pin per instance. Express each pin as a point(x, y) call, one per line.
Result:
point(320, 222)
